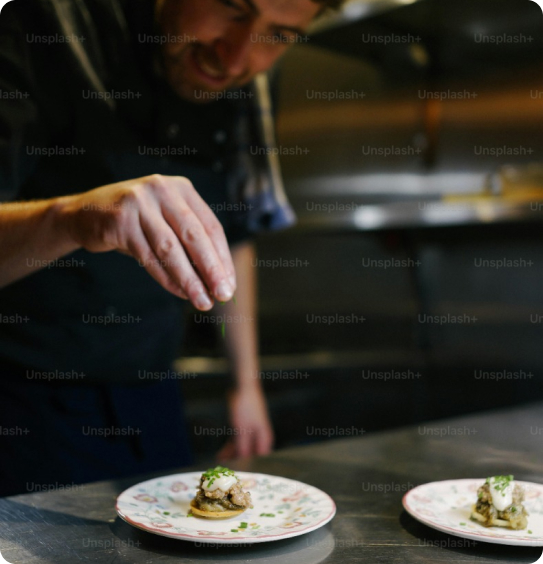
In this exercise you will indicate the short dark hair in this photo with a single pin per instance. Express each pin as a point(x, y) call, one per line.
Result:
point(333, 4)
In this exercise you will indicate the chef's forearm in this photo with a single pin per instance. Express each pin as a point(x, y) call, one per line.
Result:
point(241, 327)
point(32, 235)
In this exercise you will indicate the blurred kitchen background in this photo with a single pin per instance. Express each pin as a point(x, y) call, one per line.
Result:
point(418, 133)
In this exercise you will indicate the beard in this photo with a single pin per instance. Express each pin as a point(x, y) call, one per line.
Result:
point(197, 76)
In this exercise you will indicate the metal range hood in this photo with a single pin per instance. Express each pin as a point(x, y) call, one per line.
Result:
point(356, 10)
point(416, 113)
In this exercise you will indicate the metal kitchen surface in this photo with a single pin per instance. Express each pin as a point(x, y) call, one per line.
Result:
point(366, 476)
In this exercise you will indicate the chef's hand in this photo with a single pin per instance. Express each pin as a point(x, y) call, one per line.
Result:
point(163, 223)
point(253, 433)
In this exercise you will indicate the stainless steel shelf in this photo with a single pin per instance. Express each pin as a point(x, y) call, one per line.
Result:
point(422, 213)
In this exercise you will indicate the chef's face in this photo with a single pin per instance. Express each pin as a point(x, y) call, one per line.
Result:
point(215, 45)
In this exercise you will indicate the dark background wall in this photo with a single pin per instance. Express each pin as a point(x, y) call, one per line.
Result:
point(394, 368)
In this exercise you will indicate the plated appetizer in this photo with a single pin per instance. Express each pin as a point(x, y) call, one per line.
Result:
point(219, 495)
point(499, 504)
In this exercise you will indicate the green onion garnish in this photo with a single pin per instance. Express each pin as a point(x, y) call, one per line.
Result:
point(500, 482)
point(217, 472)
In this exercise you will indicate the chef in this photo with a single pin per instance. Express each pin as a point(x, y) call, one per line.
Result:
point(134, 173)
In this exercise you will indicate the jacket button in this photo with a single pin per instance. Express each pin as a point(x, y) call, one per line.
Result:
point(220, 136)
point(172, 131)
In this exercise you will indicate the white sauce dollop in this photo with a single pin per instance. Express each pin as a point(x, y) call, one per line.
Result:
point(223, 483)
point(504, 498)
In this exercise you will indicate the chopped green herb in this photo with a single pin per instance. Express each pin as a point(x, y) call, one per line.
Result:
point(166, 512)
point(500, 483)
point(223, 325)
point(234, 531)
point(213, 473)
point(243, 526)
point(267, 515)
point(529, 532)
point(463, 524)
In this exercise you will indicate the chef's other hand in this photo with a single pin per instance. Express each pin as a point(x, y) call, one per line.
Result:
point(252, 429)
point(165, 225)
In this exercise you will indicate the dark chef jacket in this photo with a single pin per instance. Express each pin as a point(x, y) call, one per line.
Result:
point(97, 315)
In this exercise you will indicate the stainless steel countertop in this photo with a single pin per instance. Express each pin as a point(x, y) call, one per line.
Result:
point(80, 524)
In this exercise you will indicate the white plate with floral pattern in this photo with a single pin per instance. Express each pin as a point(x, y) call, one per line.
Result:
point(282, 509)
point(446, 506)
